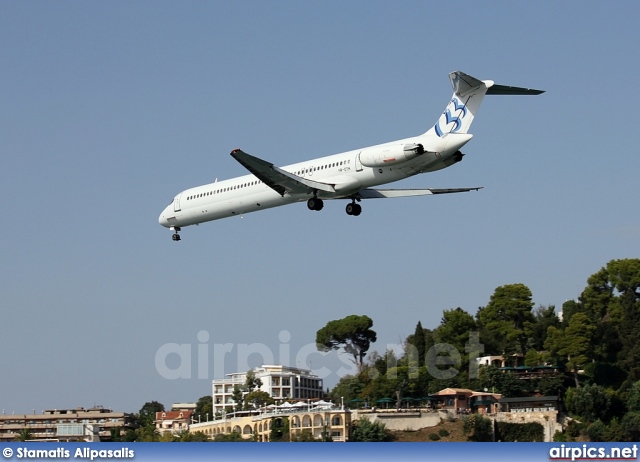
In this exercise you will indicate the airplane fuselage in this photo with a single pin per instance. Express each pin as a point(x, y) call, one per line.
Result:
point(245, 194)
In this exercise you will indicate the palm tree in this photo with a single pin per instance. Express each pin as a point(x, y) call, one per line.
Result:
point(24, 435)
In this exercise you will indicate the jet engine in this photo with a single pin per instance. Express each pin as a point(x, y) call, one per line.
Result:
point(457, 157)
point(390, 154)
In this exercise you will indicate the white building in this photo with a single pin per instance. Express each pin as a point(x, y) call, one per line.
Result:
point(280, 382)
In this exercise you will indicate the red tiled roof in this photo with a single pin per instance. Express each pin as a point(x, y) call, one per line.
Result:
point(453, 391)
point(173, 415)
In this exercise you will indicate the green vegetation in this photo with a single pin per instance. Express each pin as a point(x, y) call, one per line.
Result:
point(593, 348)
point(352, 333)
point(478, 428)
point(531, 432)
point(504, 320)
point(279, 429)
point(204, 409)
point(364, 430)
point(146, 431)
point(233, 437)
point(23, 435)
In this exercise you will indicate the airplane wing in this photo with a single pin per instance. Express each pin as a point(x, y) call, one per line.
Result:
point(276, 178)
point(388, 193)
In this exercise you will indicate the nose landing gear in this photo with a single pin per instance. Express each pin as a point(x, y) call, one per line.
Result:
point(176, 236)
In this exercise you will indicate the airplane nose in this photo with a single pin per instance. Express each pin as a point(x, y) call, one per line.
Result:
point(163, 221)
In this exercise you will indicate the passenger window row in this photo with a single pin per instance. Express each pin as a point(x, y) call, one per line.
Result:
point(219, 191)
point(253, 183)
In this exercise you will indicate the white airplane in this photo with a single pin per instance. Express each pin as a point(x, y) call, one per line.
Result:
point(348, 175)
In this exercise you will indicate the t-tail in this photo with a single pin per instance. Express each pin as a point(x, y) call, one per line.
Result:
point(468, 93)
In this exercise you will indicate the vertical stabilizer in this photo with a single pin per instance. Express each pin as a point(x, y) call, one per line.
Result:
point(468, 93)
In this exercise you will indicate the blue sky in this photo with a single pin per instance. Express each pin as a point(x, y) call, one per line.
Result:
point(110, 109)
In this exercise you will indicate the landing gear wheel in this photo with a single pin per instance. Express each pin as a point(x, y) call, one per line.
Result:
point(176, 236)
point(354, 209)
point(315, 204)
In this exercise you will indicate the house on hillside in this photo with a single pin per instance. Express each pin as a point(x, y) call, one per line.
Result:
point(513, 360)
point(174, 422)
point(530, 404)
point(465, 401)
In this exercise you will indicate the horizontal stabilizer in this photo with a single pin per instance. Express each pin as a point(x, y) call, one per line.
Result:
point(506, 90)
point(389, 193)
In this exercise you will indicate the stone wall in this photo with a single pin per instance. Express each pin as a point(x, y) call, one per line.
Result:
point(401, 421)
point(548, 420)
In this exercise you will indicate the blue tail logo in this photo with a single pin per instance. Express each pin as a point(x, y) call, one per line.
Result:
point(456, 107)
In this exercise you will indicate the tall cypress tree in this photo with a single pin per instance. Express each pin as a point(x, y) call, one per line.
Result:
point(419, 341)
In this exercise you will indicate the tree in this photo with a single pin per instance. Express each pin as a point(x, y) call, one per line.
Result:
point(398, 379)
point(305, 436)
point(501, 382)
point(23, 435)
point(233, 437)
point(611, 300)
point(551, 386)
point(568, 309)
point(454, 328)
point(451, 339)
point(590, 402)
point(419, 341)
point(624, 277)
point(509, 431)
point(353, 334)
point(574, 346)
point(503, 320)
point(536, 330)
point(631, 426)
point(237, 398)
point(252, 382)
point(147, 414)
point(195, 437)
point(347, 388)
point(597, 296)
point(478, 428)
point(597, 431)
point(115, 434)
point(383, 363)
point(615, 432)
point(364, 430)
point(258, 398)
point(147, 434)
point(279, 429)
point(633, 402)
point(534, 358)
point(204, 409)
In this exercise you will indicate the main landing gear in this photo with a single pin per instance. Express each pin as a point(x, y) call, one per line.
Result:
point(354, 209)
point(315, 204)
point(176, 236)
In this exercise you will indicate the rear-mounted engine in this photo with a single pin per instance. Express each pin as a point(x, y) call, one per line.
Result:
point(392, 154)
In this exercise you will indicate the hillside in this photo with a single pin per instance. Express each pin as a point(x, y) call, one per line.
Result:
point(454, 429)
